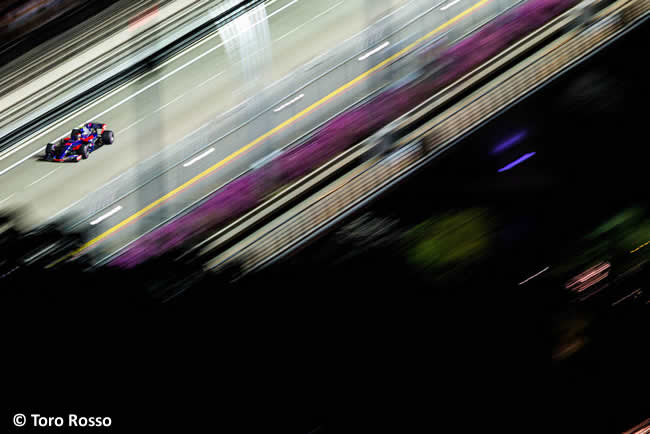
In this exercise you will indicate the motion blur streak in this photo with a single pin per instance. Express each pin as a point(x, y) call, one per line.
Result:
point(533, 276)
point(508, 143)
point(642, 428)
point(640, 247)
point(589, 277)
point(268, 134)
point(517, 161)
point(636, 293)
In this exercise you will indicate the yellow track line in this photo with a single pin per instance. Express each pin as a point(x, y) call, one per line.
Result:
point(268, 134)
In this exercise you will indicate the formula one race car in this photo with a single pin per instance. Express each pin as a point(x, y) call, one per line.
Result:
point(81, 142)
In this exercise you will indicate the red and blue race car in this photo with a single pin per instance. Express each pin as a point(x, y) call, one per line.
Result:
point(81, 142)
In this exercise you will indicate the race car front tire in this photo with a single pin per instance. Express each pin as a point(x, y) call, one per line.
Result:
point(84, 151)
point(108, 137)
point(49, 152)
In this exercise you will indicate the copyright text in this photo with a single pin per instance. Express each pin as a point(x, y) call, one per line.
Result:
point(71, 421)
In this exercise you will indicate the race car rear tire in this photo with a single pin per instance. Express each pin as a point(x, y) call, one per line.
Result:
point(49, 153)
point(84, 151)
point(108, 137)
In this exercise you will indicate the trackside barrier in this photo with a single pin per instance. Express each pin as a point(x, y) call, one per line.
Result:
point(333, 203)
point(49, 55)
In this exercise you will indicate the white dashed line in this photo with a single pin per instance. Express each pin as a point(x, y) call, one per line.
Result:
point(2, 172)
point(370, 53)
point(445, 7)
point(43, 177)
point(195, 159)
point(168, 104)
point(107, 215)
point(308, 21)
point(287, 104)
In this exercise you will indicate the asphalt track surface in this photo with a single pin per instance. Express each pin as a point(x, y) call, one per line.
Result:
point(228, 107)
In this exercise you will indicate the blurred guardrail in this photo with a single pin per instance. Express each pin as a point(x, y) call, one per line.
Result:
point(42, 61)
point(107, 54)
point(238, 118)
point(24, 25)
point(414, 150)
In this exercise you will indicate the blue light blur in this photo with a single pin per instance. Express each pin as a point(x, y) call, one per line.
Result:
point(508, 143)
point(517, 161)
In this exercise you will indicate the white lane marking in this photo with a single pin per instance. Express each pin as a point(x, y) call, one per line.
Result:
point(146, 116)
point(2, 172)
point(203, 82)
point(376, 50)
point(195, 159)
point(287, 104)
point(133, 124)
point(309, 21)
point(533, 276)
point(43, 177)
point(10, 152)
point(445, 7)
point(271, 14)
point(7, 198)
point(107, 215)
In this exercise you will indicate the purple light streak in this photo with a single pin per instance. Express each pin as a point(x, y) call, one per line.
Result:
point(517, 161)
